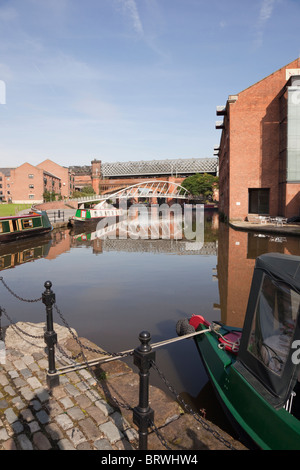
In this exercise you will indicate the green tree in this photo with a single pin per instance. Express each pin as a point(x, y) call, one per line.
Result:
point(85, 191)
point(88, 189)
point(201, 184)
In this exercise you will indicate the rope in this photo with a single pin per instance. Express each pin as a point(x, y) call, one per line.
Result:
point(234, 344)
point(101, 360)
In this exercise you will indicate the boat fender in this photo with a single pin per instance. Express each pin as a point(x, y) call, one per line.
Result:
point(183, 327)
point(196, 320)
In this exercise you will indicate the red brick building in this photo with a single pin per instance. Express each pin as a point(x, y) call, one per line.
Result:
point(27, 183)
point(65, 175)
point(259, 152)
point(110, 177)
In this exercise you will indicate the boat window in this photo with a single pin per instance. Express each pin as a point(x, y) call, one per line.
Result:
point(15, 225)
point(274, 324)
point(27, 223)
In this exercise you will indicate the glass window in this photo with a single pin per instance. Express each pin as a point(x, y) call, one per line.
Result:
point(31, 196)
point(274, 323)
point(27, 223)
point(293, 134)
point(259, 201)
point(30, 176)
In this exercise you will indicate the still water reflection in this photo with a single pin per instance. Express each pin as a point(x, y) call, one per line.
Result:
point(111, 289)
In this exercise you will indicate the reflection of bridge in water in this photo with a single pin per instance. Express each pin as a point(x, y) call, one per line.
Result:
point(143, 235)
point(175, 247)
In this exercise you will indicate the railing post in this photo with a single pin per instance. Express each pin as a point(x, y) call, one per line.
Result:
point(50, 337)
point(143, 414)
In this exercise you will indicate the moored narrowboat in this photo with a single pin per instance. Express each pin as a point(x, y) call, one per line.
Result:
point(23, 226)
point(96, 214)
point(255, 370)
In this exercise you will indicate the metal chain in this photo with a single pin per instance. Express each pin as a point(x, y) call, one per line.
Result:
point(159, 435)
point(120, 354)
point(13, 324)
point(116, 401)
point(71, 358)
point(196, 416)
point(17, 296)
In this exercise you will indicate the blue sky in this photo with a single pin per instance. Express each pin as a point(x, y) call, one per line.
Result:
point(122, 80)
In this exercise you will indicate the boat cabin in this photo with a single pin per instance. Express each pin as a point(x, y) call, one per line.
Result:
point(15, 227)
point(269, 353)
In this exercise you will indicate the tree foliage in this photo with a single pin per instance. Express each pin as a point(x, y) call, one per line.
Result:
point(201, 184)
point(85, 191)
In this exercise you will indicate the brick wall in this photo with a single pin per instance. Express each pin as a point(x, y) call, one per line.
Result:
point(25, 184)
point(249, 147)
point(66, 179)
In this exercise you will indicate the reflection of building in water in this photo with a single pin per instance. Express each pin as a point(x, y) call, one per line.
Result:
point(20, 252)
point(61, 242)
point(237, 252)
point(145, 232)
point(234, 275)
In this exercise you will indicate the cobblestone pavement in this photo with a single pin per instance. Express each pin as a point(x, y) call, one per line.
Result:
point(86, 409)
point(69, 416)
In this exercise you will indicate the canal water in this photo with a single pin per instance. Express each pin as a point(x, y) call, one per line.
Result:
point(110, 288)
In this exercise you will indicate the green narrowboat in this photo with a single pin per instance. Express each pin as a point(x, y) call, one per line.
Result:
point(96, 214)
point(255, 370)
point(23, 226)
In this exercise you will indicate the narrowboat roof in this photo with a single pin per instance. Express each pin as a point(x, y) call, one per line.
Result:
point(9, 217)
point(282, 267)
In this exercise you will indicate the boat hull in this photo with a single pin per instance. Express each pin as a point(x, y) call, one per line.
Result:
point(20, 236)
point(255, 420)
point(94, 215)
point(22, 227)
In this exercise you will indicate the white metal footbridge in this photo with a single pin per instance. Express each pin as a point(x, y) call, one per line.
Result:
point(145, 190)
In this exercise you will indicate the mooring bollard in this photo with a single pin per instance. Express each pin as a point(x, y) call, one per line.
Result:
point(50, 337)
point(143, 414)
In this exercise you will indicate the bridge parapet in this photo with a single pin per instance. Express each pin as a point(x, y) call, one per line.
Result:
point(148, 189)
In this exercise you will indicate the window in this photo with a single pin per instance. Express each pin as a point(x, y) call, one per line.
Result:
point(31, 186)
point(30, 176)
point(293, 135)
point(31, 196)
point(259, 201)
point(274, 324)
point(27, 223)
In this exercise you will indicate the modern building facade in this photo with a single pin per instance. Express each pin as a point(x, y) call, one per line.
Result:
point(259, 152)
